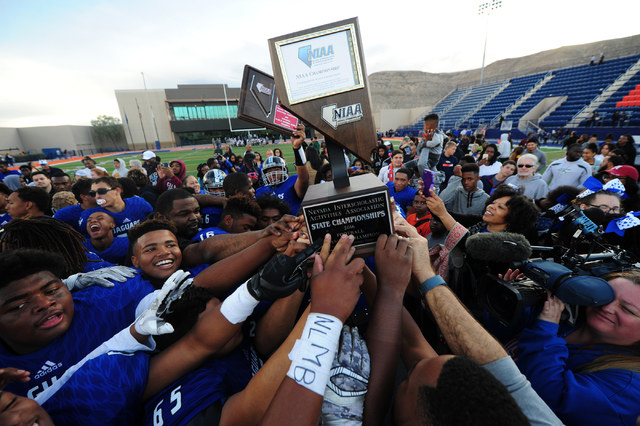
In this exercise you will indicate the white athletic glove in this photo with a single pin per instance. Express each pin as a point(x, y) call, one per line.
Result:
point(343, 402)
point(150, 322)
point(99, 277)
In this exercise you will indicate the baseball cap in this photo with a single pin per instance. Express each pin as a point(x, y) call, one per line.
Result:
point(387, 143)
point(83, 173)
point(43, 162)
point(624, 171)
point(148, 155)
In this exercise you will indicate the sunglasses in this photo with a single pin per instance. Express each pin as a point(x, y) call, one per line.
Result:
point(100, 191)
point(528, 166)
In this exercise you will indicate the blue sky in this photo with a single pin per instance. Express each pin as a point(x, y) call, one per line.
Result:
point(60, 61)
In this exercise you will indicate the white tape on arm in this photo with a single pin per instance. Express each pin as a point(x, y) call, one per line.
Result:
point(312, 355)
point(239, 305)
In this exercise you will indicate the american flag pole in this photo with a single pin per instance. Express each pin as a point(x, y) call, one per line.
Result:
point(146, 143)
point(126, 119)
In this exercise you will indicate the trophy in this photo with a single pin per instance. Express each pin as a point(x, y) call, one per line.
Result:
point(258, 103)
point(320, 76)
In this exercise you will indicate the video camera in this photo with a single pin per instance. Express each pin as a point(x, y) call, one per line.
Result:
point(569, 275)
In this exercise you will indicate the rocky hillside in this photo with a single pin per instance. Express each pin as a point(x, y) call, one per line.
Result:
point(413, 89)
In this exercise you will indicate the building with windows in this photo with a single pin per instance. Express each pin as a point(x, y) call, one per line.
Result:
point(191, 114)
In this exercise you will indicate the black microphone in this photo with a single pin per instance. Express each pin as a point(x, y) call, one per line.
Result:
point(503, 247)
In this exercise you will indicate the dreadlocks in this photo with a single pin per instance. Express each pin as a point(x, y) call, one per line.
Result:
point(46, 233)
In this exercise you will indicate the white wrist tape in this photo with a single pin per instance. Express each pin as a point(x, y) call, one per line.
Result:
point(239, 305)
point(300, 158)
point(312, 355)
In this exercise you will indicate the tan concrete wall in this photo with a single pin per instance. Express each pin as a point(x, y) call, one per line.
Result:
point(10, 140)
point(152, 100)
point(64, 137)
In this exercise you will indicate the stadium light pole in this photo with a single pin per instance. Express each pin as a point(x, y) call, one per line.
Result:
point(486, 9)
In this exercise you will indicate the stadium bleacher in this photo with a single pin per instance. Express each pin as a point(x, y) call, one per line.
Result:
point(483, 105)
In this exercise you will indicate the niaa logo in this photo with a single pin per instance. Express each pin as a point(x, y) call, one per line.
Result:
point(307, 55)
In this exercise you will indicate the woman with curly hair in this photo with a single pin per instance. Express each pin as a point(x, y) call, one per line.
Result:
point(488, 163)
point(508, 210)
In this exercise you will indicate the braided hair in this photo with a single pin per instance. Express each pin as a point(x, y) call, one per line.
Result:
point(49, 234)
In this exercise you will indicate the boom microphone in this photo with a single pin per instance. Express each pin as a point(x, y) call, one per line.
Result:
point(503, 247)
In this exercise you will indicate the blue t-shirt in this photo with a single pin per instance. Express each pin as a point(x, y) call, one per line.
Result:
point(116, 253)
point(210, 216)
point(403, 198)
point(106, 390)
point(99, 313)
point(5, 218)
point(203, 234)
point(285, 191)
point(71, 215)
point(135, 211)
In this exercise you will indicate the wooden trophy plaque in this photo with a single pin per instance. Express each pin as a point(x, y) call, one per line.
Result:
point(259, 104)
point(320, 76)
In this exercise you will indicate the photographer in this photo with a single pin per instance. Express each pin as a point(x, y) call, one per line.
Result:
point(589, 374)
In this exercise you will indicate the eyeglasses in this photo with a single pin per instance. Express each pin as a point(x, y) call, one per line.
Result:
point(100, 191)
point(607, 209)
point(528, 166)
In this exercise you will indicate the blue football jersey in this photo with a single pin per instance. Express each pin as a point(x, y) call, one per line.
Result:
point(183, 399)
point(95, 262)
point(71, 216)
point(203, 234)
point(116, 253)
point(136, 210)
point(210, 216)
point(99, 313)
point(285, 191)
point(106, 390)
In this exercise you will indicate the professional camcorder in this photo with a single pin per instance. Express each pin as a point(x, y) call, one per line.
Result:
point(566, 273)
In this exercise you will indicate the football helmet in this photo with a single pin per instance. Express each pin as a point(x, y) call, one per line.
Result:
point(212, 182)
point(274, 171)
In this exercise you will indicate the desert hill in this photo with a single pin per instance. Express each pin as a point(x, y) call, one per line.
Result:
point(413, 89)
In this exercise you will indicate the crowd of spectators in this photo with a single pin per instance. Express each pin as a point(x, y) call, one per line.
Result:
point(156, 294)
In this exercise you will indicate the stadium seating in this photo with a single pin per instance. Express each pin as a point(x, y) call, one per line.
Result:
point(471, 107)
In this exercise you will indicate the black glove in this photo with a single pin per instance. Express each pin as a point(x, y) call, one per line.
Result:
point(282, 275)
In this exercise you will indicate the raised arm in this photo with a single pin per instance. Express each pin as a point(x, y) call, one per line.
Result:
point(221, 246)
point(384, 336)
point(436, 207)
point(464, 335)
point(335, 289)
point(300, 160)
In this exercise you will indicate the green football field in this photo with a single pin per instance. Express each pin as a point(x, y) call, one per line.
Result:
point(193, 157)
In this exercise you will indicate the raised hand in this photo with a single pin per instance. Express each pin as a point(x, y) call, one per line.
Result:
point(150, 322)
point(394, 258)
point(335, 284)
point(298, 136)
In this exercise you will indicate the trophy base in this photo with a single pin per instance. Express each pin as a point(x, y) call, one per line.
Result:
point(362, 209)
